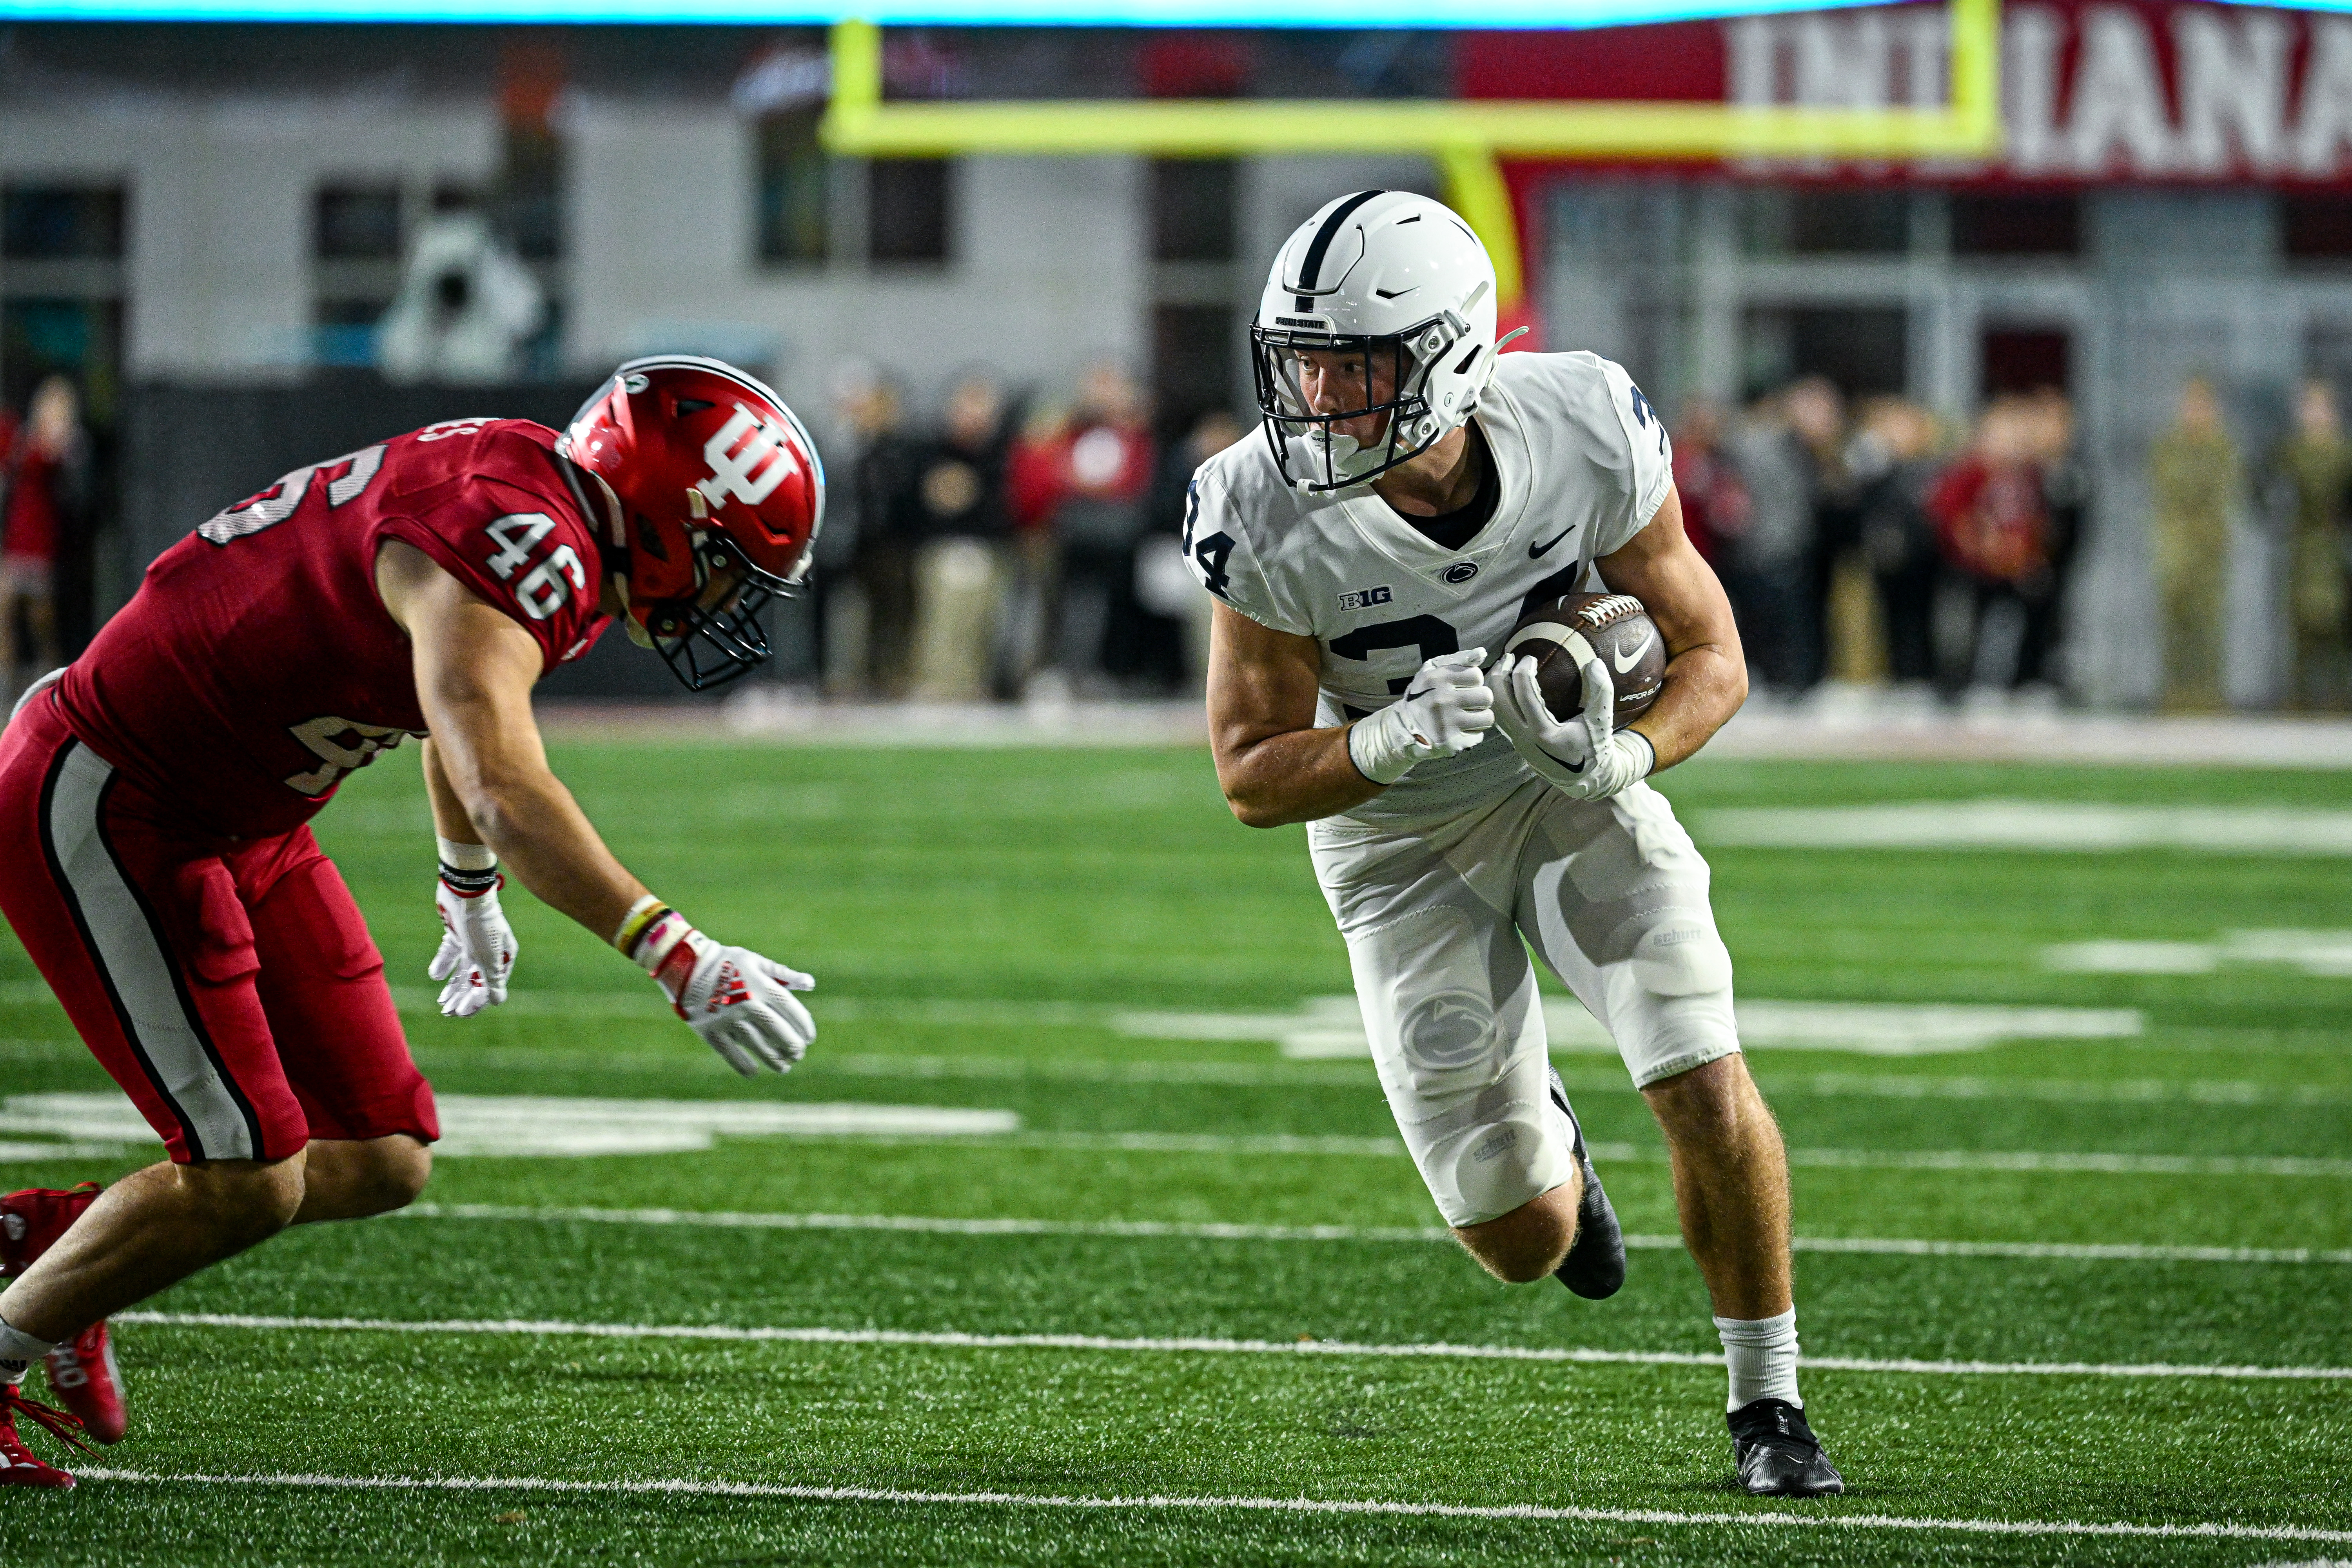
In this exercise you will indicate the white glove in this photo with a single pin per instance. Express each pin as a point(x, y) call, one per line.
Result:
point(740, 1003)
point(1586, 757)
point(1446, 708)
point(477, 946)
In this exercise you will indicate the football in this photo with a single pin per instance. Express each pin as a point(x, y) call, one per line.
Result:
point(1613, 627)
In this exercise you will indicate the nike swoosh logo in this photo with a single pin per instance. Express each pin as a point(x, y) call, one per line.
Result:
point(1626, 661)
point(1535, 551)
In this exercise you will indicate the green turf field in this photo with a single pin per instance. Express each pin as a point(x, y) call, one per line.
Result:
point(2051, 1286)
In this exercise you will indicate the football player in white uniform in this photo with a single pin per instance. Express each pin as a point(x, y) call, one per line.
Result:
point(1414, 493)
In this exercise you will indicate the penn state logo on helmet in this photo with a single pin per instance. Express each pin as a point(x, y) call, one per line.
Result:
point(1374, 338)
point(712, 493)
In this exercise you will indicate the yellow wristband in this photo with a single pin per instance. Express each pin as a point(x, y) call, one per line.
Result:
point(636, 922)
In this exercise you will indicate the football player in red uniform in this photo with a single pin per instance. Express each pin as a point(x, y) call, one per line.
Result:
point(156, 860)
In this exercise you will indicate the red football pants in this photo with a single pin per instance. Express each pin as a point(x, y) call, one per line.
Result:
point(231, 988)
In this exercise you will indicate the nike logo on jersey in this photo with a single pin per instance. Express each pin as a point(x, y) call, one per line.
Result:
point(1535, 551)
point(1626, 660)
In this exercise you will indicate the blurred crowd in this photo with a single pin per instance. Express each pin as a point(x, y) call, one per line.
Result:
point(1874, 544)
point(1868, 543)
point(46, 476)
point(1011, 547)
point(996, 544)
point(2307, 492)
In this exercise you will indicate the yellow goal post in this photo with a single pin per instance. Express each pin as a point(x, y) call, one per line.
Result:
point(1465, 138)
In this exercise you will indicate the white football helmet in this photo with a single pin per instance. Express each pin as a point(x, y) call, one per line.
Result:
point(1400, 290)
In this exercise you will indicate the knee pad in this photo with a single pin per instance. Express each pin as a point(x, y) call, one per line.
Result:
point(1670, 1002)
point(1508, 1146)
point(1680, 953)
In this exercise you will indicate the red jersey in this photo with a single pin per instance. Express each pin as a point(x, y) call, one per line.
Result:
point(29, 530)
point(1992, 519)
point(256, 667)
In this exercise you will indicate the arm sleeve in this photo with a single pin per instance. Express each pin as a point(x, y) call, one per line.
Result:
point(1650, 456)
point(1223, 557)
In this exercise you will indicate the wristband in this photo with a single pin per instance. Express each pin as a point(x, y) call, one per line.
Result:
point(1649, 750)
point(1375, 751)
point(641, 922)
point(662, 944)
point(469, 871)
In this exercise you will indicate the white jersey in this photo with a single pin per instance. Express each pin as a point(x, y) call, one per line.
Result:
point(1583, 465)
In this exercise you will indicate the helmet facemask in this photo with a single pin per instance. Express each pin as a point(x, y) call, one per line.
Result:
point(709, 640)
point(1332, 459)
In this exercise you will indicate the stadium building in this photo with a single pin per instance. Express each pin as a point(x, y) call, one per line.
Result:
point(2168, 200)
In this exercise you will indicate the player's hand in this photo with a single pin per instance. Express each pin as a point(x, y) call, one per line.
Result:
point(740, 1003)
point(1586, 757)
point(478, 950)
point(1446, 708)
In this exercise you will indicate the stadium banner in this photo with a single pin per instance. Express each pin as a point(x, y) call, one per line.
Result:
point(2091, 91)
point(1342, 13)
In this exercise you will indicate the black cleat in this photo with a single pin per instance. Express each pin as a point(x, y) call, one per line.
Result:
point(1776, 1453)
point(1595, 1265)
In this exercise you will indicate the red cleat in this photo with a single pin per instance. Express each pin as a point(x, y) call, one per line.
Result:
point(86, 1381)
point(19, 1466)
point(31, 1221)
point(82, 1372)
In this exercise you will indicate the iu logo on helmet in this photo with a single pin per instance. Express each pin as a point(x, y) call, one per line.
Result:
point(747, 459)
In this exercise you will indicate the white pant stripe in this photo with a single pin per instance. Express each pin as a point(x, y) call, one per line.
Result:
point(162, 1021)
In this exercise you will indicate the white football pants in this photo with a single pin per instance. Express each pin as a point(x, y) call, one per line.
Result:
point(1611, 893)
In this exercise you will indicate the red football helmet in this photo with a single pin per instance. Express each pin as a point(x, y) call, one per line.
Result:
point(706, 478)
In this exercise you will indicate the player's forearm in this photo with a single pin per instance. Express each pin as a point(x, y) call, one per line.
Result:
point(449, 818)
point(546, 843)
point(1704, 688)
point(1296, 776)
point(488, 753)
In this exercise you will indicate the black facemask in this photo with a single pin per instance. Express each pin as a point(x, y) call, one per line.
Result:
point(1284, 412)
point(708, 646)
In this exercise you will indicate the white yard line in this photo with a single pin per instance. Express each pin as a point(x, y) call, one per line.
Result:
point(1205, 1346)
point(1335, 1075)
point(2027, 1160)
point(527, 1126)
point(1140, 1228)
point(1199, 1231)
point(2067, 1161)
point(1192, 1143)
point(2207, 1530)
point(1339, 1075)
point(2065, 827)
point(2052, 1090)
point(2044, 1160)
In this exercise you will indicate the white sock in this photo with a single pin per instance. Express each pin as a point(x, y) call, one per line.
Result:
point(18, 1350)
point(1761, 1354)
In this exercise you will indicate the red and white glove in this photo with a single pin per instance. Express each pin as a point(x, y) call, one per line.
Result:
point(740, 1003)
point(477, 946)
